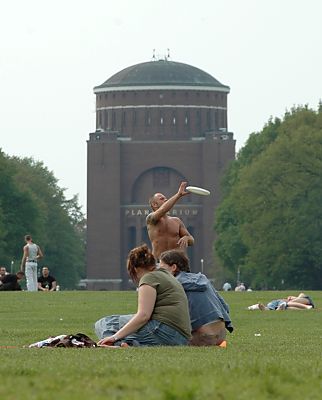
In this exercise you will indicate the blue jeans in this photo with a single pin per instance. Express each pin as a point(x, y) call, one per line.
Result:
point(153, 333)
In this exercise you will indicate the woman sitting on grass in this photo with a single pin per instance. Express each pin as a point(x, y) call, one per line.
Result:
point(300, 302)
point(162, 318)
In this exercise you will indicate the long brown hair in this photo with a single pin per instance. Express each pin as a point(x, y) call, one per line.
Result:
point(142, 257)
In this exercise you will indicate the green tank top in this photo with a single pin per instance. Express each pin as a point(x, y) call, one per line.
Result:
point(171, 305)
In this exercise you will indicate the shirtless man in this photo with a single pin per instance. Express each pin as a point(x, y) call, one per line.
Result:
point(165, 232)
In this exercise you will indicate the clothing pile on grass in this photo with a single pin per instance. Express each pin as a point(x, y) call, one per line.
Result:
point(77, 341)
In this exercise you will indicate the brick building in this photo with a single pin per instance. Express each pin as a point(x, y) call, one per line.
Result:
point(157, 123)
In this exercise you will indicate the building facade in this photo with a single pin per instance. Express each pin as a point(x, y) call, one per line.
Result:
point(157, 123)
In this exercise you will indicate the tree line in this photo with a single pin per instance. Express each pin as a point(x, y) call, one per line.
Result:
point(268, 225)
point(31, 202)
point(269, 222)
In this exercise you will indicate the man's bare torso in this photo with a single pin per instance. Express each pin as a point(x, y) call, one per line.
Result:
point(164, 234)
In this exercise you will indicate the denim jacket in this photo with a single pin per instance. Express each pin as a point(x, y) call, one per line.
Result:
point(205, 303)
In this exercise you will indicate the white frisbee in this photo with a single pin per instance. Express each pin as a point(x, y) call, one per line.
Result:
point(198, 190)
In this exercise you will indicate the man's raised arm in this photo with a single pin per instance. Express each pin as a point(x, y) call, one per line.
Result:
point(156, 215)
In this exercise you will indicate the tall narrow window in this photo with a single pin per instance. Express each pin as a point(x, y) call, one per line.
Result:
point(134, 117)
point(209, 119)
point(99, 122)
point(147, 118)
point(113, 120)
point(221, 118)
point(186, 118)
point(198, 119)
point(106, 120)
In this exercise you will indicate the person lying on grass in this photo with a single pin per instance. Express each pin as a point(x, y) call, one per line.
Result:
point(162, 318)
point(209, 314)
point(300, 302)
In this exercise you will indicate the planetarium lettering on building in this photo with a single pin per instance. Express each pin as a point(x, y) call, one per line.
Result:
point(139, 212)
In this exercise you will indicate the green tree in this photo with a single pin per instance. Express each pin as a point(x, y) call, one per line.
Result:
point(274, 232)
point(18, 212)
point(229, 247)
point(32, 202)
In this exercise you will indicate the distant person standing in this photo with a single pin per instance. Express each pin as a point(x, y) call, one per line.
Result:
point(31, 254)
point(46, 282)
point(166, 232)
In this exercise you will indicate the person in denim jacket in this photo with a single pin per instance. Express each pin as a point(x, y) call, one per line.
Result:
point(209, 313)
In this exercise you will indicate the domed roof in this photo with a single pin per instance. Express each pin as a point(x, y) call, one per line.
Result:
point(161, 73)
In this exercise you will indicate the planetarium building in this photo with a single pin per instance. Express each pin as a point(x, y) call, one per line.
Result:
point(157, 123)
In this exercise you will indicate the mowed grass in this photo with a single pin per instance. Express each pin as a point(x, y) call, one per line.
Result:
point(270, 355)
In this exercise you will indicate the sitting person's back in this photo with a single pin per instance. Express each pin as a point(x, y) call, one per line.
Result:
point(226, 286)
point(209, 313)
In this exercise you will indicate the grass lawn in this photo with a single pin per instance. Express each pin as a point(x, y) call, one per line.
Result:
point(270, 355)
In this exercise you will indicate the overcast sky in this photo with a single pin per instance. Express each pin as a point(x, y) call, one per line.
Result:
point(54, 52)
